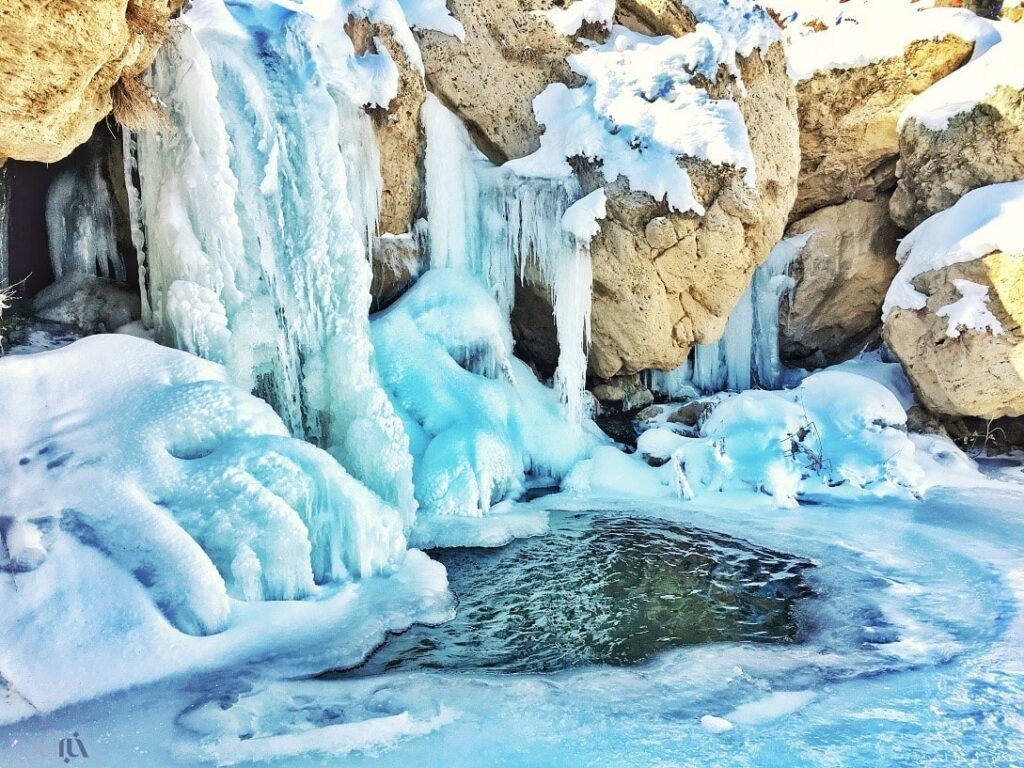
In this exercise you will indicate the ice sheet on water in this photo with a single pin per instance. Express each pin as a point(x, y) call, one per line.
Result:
point(478, 419)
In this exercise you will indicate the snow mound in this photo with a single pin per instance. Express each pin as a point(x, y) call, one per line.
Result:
point(642, 107)
point(191, 486)
point(1001, 65)
point(835, 429)
point(477, 418)
point(843, 34)
point(982, 221)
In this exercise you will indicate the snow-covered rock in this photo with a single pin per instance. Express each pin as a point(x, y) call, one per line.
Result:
point(841, 275)
point(858, 63)
point(954, 313)
point(965, 132)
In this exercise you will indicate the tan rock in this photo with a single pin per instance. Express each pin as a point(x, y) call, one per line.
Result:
point(841, 278)
point(978, 374)
point(59, 63)
point(848, 138)
point(982, 146)
point(652, 303)
point(509, 56)
point(398, 130)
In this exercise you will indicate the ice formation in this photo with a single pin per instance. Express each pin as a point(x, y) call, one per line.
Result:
point(838, 428)
point(998, 66)
point(191, 485)
point(860, 32)
point(748, 353)
point(479, 422)
point(982, 221)
point(639, 109)
point(496, 225)
point(80, 223)
point(254, 216)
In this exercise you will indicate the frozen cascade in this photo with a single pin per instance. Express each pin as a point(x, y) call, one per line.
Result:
point(747, 355)
point(254, 213)
point(491, 222)
point(80, 223)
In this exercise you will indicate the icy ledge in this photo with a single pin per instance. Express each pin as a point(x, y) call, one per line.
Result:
point(146, 500)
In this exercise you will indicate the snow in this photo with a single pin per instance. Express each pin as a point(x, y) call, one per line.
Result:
point(432, 14)
point(713, 724)
point(477, 418)
point(249, 268)
point(861, 32)
point(640, 110)
point(569, 20)
point(153, 501)
point(970, 313)
point(999, 66)
point(778, 704)
point(982, 221)
point(581, 218)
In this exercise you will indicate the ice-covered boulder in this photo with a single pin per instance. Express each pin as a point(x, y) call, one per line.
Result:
point(858, 63)
point(836, 429)
point(147, 457)
point(477, 418)
point(63, 66)
point(965, 132)
point(844, 266)
point(954, 313)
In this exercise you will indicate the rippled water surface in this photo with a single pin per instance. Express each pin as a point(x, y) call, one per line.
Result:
point(602, 590)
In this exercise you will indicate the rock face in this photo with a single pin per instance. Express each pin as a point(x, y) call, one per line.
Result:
point(982, 146)
point(848, 137)
point(662, 281)
point(978, 374)
point(509, 56)
point(841, 276)
point(60, 63)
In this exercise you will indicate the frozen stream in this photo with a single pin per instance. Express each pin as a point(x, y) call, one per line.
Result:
point(914, 655)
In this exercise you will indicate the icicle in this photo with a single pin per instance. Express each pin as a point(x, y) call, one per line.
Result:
point(258, 205)
point(80, 223)
point(130, 153)
point(491, 222)
point(748, 353)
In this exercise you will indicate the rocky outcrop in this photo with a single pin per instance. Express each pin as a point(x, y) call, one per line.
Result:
point(510, 54)
point(63, 65)
point(980, 373)
point(943, 159)
point(664, 282)
point(841, 276)
point(848, 121)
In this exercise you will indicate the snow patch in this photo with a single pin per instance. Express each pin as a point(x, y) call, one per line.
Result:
point(569, 20)
point(970, 313)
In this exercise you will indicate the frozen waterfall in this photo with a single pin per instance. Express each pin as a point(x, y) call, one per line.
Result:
point(747, 355)
point(496, 225)
point(255, 207)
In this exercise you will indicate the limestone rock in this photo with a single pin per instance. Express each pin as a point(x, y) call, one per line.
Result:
point(982, 146)
point(978, 374)
point(841, 277)
point(666, 281)
point(88, 303)
point(848, 137)
point(510, 54)
point(398, 130)
point(59, 63)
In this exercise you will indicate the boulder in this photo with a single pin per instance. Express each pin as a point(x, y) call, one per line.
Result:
point(88, 303)
point(979, 373)
point(964, 133)
point(841, 275)
point(62, 64)
point(848, 121)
